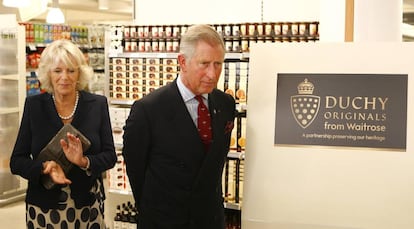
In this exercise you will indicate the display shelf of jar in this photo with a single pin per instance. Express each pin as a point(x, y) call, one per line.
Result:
point(241, 107)
point(236, 154)
point(227, 205)
point(34, 46)
point(142, 55)
point(122, 102)
point(228, 55)
point(237, 55)
point(121, 192)
point(129, 102)
point(234, 206)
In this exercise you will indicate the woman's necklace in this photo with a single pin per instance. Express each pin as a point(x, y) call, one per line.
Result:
point(74, 108)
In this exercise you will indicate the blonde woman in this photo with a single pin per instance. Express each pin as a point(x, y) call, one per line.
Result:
point(76, 201)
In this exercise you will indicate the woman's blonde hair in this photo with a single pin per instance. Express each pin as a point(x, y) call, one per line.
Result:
point(70, 55)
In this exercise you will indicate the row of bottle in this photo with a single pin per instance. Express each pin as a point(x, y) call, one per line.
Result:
point(46, 33)
point(126, 216)
point(232, 181)
point(172, 45)
point(238, 37)
point(226, 30)
point(232, 219)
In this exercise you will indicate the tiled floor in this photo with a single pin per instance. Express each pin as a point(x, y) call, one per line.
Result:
point(13, 216)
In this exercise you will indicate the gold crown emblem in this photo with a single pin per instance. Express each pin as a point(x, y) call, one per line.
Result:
point(305, 87)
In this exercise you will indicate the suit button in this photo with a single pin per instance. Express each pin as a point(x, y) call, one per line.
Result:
point(181, 165)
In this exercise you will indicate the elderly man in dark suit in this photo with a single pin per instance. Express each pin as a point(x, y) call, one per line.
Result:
point(175, 173)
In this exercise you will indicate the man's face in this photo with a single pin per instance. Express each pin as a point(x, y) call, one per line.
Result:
point(201, 73)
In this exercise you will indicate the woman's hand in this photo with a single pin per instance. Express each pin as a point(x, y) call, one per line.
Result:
point(55, 172)
point(73, 150)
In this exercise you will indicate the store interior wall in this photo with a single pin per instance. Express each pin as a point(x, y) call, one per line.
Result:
point(373, 20)
point(378, 20)
point(332, 14)
point(219, 11)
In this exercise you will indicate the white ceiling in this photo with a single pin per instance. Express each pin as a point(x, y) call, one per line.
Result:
point(85, 11)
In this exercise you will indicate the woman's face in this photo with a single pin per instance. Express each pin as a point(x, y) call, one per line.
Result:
point(64, 79)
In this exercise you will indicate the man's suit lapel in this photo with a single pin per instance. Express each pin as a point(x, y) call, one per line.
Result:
point(215, 111)
point(213, 158)
point(181, 117)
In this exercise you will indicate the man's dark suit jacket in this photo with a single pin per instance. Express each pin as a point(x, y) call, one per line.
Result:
point(176, 184)
point(40, 122)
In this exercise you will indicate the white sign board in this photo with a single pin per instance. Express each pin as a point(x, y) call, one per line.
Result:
point(324, 187)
